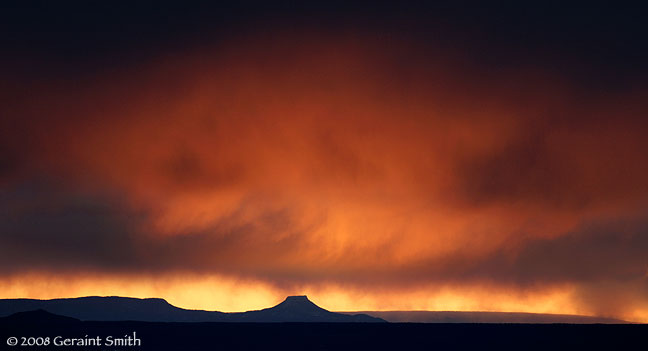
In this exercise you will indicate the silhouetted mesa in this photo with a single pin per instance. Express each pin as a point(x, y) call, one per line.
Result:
point(94, 308)
point(301, 309)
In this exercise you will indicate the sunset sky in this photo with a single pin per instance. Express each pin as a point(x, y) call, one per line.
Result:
point(374, 157)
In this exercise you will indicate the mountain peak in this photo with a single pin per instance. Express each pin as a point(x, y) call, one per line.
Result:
point(301, 309)
point(299, 304)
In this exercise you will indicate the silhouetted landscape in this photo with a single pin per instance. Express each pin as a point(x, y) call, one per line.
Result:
point(299, 324)
point(293, 309)
point(322, 336)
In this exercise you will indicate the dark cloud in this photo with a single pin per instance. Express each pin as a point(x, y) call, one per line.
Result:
point(566, 155)
point(525, 169)
point(602, 251)
point(47, 228)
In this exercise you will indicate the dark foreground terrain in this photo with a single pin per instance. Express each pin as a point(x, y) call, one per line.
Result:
point(319, 336)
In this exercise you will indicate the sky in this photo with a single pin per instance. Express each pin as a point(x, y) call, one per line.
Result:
point(446, 156)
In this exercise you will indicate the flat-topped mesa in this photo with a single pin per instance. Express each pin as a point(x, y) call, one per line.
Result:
point(299, 304)
point(300, 309)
